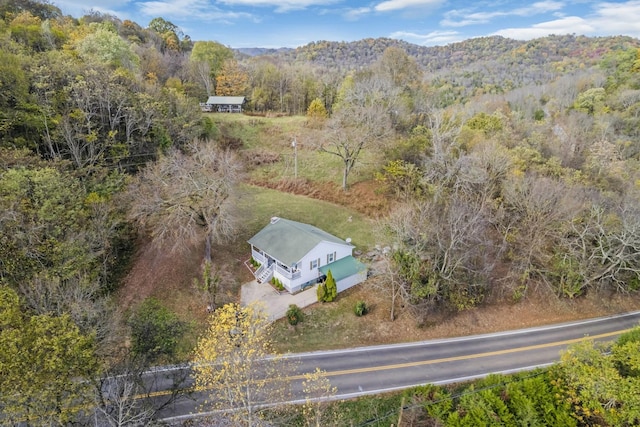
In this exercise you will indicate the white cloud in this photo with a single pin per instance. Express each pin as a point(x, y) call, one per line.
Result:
point(280, 5)
point(390, 5)
point(616, 18)
point(78, 8)
point(606, 19)
point(430, 39)
point(568, 25)
point(462, 18)
point(354, 14)
point(189, 9)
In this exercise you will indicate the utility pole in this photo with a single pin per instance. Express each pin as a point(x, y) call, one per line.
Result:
point(294, 144)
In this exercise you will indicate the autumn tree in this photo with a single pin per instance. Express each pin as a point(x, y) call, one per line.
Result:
point(43, 360)
point(232, 79)
point(171, 35)
point(234, 363)
point(539, 211)
point(207, 59)
point(361, 121)
point(398, 66)
point(316, 113)
point(105, 45)
point(45, 226)
point(186, 197)
point(601, 381)
point(404, 77)
point(318, 391)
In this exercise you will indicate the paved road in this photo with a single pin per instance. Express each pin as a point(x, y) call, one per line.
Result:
point(371, 370)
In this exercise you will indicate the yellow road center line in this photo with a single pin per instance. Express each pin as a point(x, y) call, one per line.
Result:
point(465, 357)
point(445, 359)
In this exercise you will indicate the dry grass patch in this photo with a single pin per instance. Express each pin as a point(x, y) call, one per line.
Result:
point(334, 325)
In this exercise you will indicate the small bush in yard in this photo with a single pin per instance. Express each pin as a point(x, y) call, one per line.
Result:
point(361, 308)
point(294, 314)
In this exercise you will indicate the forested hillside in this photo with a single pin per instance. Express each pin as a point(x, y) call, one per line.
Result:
point(488, 64)
point(507, 169)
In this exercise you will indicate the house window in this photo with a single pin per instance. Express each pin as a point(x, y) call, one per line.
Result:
point(314, 264)
point(331, 257)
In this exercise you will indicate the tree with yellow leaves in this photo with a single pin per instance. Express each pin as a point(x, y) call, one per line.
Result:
point(318, 392)
point(44, 360)
point(235, 364)
point(232, 80)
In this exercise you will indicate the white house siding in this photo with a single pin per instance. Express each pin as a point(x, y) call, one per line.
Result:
point(350, 281)
point(320, 252)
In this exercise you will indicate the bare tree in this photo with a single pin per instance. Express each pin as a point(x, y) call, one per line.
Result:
point(126, 394)
point(184, 197)
point(606, 244)
point(361, 120)
point(444, 252)
point(446, 246)
point(202, 72)
point(390, 283)
point(537, 214)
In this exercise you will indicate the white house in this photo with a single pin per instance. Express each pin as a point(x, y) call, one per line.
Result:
point(300, 255)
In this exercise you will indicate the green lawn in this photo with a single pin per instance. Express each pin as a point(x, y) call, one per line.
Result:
point(258, 205)
point(275, 135)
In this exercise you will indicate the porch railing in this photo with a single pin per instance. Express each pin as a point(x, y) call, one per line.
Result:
point(288, 274)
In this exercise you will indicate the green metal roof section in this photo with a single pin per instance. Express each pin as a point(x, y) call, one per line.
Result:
point(342, 268)
point(288, 241)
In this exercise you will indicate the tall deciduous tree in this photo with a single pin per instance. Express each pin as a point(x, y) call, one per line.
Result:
point(108, 47)
point(43, 360)
point(207, 59)
point(232, 79)
point(171, 35)
point(398, 66)
point(183, 198)
point(42, 226)
point(361, 121)
point(234, 362)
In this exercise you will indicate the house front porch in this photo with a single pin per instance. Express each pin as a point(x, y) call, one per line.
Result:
point(290, 277)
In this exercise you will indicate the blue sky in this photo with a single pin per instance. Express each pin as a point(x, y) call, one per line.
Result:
point(292, 23)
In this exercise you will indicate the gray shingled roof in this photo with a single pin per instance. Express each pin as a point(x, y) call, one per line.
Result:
point(288, 241)
point(225, 100)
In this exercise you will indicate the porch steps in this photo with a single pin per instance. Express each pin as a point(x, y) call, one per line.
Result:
point(265, 275)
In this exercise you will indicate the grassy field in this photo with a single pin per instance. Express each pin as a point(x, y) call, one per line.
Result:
point(274, 135)
point(259, 204)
